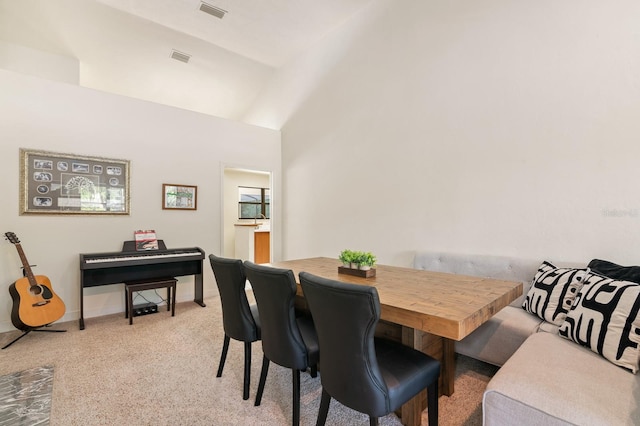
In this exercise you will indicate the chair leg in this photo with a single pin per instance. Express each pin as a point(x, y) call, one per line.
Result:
point(223, 357)
point(247, 370)
point(295, 373)
point(324, 408)
point(314, 371)
point(432, 403)
point(373, 421)
point(263, 379)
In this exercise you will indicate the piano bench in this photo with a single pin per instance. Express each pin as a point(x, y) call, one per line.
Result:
point(132, 286)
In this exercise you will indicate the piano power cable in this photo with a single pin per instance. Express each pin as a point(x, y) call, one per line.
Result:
point(139, 294)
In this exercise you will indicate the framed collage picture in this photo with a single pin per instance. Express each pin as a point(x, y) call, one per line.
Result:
point(179, 197)
point(56, 183)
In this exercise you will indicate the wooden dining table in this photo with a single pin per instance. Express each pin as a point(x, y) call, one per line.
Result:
point(426, 310)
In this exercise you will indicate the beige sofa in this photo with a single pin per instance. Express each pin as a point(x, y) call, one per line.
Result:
point(544, 379)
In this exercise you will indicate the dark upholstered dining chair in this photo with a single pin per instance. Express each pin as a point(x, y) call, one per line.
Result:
point(370, 375)
point(240, 320)
point(287, 340)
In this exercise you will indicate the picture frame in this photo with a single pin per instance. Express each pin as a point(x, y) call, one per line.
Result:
point(179, 197)
point(59, 183)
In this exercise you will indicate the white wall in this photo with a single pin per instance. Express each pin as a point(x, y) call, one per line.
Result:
point(164, 145)
point(34, 62)
point(493, 127)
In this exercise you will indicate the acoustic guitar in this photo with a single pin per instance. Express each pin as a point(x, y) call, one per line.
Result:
point(34, 302)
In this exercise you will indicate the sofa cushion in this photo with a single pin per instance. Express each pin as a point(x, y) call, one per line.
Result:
point(552, 292)
point(552, 381)
point(496, 340)
point(617, 272)
point(605, 318)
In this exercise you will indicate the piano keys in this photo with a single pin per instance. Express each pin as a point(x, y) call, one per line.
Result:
point(142, 257)
point(97, 269)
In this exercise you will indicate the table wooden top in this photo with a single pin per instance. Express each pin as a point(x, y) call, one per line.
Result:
point(447, 305)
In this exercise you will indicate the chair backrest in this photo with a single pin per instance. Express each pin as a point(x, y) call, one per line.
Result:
point(274, 290)
point(237, 319)
point(345, 316)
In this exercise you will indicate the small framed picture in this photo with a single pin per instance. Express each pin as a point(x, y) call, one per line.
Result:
point(179, 197)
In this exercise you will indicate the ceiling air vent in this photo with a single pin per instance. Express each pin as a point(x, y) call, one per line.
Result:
point(212, 10)
point(179, 56)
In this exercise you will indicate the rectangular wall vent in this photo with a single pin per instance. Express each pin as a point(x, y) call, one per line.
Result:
point(212, 10)
point(179, 56)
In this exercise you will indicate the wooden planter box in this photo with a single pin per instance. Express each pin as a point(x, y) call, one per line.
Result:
point(357, 272)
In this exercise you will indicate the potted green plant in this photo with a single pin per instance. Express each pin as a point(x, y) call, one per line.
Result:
point(347, 258)
point(366, 261)
point(358, 263)
point(358, 259)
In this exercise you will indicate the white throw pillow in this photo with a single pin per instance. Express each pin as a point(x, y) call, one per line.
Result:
point(605, 318)
point(552, 292)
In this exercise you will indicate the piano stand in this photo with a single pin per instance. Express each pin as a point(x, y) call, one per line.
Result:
point(29, 330)
point(132, 286)
point(98, 269)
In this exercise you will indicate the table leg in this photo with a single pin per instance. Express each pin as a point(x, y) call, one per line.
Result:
point(439, 348)
point(448, 367)
point(411, 412)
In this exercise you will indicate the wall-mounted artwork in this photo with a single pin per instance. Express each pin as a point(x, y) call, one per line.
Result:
point(55, 183)
point(179, 197)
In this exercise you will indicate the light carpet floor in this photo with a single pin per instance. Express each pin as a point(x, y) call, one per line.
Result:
point(161, 371)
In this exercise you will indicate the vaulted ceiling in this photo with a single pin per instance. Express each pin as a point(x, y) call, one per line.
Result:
point(125, 46)
point(267, 31)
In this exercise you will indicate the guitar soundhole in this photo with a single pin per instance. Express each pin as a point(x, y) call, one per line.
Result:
point(41, 289)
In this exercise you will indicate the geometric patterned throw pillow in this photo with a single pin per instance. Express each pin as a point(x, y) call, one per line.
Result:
point(605, 318)
point(552, 292)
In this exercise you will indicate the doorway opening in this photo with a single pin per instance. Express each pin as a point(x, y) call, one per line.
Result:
point(245, 236)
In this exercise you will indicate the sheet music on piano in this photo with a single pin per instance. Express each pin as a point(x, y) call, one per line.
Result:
point(146, 240)
point(98, 269)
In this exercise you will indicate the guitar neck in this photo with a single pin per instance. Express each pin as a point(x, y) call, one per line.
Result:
point(25, 264)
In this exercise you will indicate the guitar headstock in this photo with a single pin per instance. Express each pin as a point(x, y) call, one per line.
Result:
point(12, 237)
